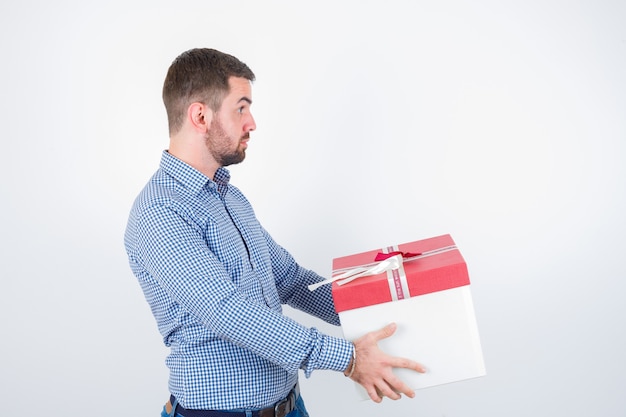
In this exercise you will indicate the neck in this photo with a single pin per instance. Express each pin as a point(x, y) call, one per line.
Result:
point(195, 154)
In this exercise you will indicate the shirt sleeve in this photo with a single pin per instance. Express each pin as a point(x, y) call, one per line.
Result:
point(292, 282)
point(170, 247)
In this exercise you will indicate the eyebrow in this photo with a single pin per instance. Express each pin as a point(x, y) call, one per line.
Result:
point(246, 99)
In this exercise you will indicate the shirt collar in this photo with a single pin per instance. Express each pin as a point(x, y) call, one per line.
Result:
point(189, 176)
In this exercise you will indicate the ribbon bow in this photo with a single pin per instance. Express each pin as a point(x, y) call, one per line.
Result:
point(382, 256)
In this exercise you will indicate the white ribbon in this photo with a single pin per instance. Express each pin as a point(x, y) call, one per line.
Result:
point(388, 264)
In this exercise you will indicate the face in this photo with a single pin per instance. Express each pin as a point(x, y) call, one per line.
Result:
point(228, 136)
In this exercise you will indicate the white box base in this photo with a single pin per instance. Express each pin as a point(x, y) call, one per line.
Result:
point(438, 330)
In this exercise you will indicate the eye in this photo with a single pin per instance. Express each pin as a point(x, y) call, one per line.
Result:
point(240, 110)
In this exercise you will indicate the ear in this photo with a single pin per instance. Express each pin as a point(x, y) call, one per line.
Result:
point(199, 116)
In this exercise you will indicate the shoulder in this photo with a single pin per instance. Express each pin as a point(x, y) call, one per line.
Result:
point(163, 195)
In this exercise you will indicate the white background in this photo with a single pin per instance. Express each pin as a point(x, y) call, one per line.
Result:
point(501, 123)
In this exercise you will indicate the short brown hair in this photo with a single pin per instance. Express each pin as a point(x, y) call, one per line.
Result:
point(199, 75)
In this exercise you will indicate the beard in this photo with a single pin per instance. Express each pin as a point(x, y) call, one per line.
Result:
point(219, 145)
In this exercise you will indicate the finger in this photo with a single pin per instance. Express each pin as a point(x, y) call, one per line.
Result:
point(398, 387)
point(388, 391)
point(374, 394)
point(385, 332)
point(407, 364)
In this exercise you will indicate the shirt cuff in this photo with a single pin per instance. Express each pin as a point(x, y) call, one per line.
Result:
point(331, 353)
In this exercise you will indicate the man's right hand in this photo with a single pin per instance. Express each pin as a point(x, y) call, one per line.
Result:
point(373, 368)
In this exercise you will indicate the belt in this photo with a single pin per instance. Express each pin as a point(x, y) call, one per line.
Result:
point(280, 409)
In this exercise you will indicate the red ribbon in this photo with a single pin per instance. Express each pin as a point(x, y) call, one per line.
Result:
point(382, 256)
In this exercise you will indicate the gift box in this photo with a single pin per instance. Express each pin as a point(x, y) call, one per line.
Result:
point(423, 287)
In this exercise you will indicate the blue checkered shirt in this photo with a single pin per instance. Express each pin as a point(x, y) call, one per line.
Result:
point(215, 281)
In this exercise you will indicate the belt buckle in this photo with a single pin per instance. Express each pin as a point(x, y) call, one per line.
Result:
point(285, 404)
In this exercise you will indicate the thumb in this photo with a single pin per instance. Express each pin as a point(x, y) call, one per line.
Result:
point(385, 332)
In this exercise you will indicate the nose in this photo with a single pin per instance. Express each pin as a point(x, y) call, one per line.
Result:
point(250, 125)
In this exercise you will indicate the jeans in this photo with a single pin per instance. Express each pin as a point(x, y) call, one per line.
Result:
point(299, 411)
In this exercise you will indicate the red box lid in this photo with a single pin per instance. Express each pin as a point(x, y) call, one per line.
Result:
point(434, 270)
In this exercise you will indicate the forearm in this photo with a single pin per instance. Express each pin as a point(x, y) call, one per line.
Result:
point(277, 338)
point(318, 303)
point(292, 281)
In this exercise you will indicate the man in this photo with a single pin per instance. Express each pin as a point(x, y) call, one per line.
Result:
point(214, 278)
